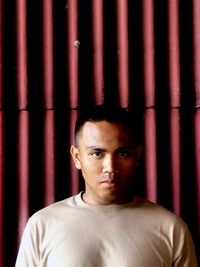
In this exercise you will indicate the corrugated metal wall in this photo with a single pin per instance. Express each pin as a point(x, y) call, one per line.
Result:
point(57, 57)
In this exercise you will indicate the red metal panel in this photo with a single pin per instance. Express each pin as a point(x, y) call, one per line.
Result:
point(196, 34)
point(174, 63)
point(196, 59)
point(48, 75)
point(1, 187)
point(73, 48)
point(49, 158)
point(122, 43)
point(149, 101)
point(21, 37)
point(23, 169)
point(100, 11)
point(175, 157)
point(98, 51)
point(150, 154)
point(174, 87)
point(148, 44)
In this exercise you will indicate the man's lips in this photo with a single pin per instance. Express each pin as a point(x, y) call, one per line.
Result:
point(109, 181)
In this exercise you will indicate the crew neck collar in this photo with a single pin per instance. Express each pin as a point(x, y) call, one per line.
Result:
point(81, 203)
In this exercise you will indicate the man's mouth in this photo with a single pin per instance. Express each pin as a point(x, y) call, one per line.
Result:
point(109, 181)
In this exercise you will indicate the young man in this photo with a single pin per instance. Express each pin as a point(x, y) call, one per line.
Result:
point(107, 225)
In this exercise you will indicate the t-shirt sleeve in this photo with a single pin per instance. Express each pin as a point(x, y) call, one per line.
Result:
point(28, 250)
point(186, 256)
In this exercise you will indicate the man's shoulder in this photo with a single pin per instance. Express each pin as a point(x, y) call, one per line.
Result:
point(54, 210)
point(159, 212)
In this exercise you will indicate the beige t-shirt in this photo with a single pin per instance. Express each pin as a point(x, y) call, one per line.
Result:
point(72, 233)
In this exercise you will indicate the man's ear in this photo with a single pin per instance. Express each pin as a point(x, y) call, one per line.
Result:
point(75, 156)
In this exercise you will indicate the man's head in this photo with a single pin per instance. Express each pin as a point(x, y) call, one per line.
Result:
point(107, 152)
point(109, 113)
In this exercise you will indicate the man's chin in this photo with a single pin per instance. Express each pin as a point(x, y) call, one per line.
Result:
point(115, 196)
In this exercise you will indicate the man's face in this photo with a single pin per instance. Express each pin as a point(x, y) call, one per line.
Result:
point(107, 157)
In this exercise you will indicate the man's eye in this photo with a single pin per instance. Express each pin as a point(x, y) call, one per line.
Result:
point(124, 154)
point(96, 153)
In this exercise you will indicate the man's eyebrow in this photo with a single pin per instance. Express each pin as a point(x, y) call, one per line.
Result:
point(127, 147)
point(95, 148)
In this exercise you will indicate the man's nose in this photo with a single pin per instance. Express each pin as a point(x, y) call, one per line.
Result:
point(110, 164)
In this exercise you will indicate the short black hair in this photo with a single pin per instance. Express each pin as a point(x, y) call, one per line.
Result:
point(110, 113)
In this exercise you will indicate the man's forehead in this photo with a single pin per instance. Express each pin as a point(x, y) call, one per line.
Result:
point(105, 130)
point(95, 134)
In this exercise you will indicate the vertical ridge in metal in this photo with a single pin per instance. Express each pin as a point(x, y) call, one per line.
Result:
point(150, 154)
point(123, 52)
point(98, 51)
point(49, 160)
point(173, 46)
point(196, 34)
point(149, 93)
point(73, 48)
point(21, 37)
point(175, 102)
point(48, 75)
point(1, 56)
point(148, 55)
point(175, 156)
point(23, 169)
point(1, 189)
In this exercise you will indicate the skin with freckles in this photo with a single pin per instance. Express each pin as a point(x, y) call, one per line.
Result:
point(107, 157)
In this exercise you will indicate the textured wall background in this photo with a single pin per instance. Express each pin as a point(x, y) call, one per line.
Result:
point(56, 58)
